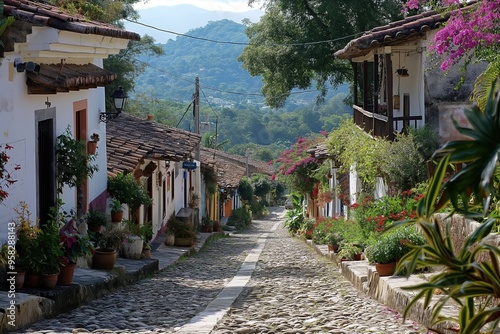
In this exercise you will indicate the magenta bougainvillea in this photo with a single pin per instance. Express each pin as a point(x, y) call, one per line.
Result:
point(6, 179)
point(474, 31)
point(297, 166)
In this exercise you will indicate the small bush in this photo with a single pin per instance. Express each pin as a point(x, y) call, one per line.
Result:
point(240, 218)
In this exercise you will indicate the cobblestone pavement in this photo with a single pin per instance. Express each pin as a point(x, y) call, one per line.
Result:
point(292, 290)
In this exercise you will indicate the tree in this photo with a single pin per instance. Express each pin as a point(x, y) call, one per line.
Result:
point(292, 45)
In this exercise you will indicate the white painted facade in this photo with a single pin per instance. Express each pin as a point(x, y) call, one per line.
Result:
point(21, 112)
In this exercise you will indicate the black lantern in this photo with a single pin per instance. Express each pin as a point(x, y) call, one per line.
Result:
point(119, 98)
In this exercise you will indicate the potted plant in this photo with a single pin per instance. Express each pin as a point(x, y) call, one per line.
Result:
point(107, 243)
point(116, 211)
point(74, 245)
point(95, 220)
point(50, 247)
point(28, 256)
point(348, 251)
point(207, 225)
point(333, 240)
point(127, 190)
point(146, 251)
point(92, 144)
point(183, 233)
point(135, 237)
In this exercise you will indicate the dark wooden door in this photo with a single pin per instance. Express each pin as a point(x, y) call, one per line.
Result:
point(46, 169)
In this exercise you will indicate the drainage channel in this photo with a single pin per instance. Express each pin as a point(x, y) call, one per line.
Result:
point(205, 321)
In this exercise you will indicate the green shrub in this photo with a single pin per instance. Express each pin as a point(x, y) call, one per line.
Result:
point(240, 218)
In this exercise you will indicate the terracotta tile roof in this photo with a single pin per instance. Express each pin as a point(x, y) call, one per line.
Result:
point(130, 139)
point(65, 77)
point(228, 172)
point(396, 33)
point(51, 16)
point(254, 166)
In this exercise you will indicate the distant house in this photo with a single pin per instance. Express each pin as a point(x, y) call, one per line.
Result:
point(154, 153)
point(229, 169)
point(397, 82)
point(52, 77)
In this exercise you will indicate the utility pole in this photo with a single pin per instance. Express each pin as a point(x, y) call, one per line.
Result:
point(196, 114)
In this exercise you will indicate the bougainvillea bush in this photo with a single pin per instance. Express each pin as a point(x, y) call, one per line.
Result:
point(6, 179)
point(297, 167)
point(467, 33)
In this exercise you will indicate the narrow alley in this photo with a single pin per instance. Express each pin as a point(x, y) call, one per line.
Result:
point(291, 290)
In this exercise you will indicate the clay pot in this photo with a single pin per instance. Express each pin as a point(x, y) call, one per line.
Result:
point(104, 258)
point(116, 216)
point(385, 269)
point(66, 274)
point(50, 280)
point(91, 147)
point(34, 279)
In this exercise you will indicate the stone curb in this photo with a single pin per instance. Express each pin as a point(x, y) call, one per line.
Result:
point(387, 290)
point(35, 304)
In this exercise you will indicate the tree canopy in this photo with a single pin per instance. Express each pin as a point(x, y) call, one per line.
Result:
point(293, 44)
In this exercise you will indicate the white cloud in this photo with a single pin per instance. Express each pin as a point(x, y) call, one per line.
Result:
point(214, 5)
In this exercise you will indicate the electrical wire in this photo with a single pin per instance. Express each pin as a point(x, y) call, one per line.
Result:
point(184, 113)
point(243, 43)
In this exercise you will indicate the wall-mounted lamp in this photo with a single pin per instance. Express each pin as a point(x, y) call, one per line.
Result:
point(28, 66)
point(119, 98)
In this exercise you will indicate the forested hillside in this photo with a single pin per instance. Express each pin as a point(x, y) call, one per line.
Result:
point(229, 97)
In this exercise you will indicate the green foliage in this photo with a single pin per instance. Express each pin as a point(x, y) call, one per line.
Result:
point(75, 245)
point(144, 231)
point(284, 66)
point(179, 228)
point(210, 180)
point(116, 206)
point(261, 184)
point(392, 246)
point(470, 278)
point(403, 164)
point(125, 188)
point(96, 218)
point(354, 147)
point(347, 250)
point(109, 238)
point(73, 163)
point(245, 190)
point(294, 220)
point(240, 217)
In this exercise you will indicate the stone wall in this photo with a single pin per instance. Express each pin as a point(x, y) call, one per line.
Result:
point(460, 228)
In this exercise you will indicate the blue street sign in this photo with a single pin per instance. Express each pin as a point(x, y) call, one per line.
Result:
point(189, 165)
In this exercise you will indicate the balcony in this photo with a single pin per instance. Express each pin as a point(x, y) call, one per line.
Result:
point(381, 126)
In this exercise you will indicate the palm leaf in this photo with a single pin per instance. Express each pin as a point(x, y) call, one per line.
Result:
point(484, 84)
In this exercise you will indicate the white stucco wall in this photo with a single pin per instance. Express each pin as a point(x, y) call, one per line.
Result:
point(18, 126)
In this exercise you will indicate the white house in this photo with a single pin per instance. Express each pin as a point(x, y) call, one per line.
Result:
point(51, 77)
point(161, 158)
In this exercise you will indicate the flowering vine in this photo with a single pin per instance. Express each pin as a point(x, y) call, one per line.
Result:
point(472, 31)
point(6, 179)
point(297, 166)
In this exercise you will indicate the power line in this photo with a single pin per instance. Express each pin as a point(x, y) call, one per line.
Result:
point(243, 43)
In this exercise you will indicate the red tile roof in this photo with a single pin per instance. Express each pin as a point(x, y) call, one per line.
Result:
point(54, 78)
point(46, 15)
point(228, 172)
point(395, 33)
point(130, 140)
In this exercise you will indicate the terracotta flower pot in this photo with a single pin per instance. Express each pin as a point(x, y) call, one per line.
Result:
point(66, 274)
point(146, 253)
point(104, 258)
point(184, 242)
point(50, 280)
point(34, 279)
point(91, 147)
point(116, 216)
point(385, 269)
point(333, 248)
point(20, 278)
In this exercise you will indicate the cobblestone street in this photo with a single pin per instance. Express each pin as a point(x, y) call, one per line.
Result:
point(292, 290)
